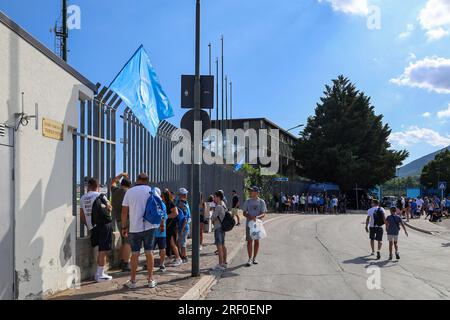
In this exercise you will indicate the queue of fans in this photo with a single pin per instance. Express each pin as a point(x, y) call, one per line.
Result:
point(159, 220)
point(317, 203)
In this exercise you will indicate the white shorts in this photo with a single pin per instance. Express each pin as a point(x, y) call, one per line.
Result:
point(392, 238)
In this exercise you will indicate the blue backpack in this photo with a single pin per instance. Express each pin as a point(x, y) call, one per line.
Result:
point(155, 209)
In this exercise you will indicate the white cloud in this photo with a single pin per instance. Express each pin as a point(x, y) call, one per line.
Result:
point(357, 7)
point(444, 113)
point(436, 34)
point(412, 57)
point(431, 73)
point(415, 135)
point(426, 115)
point(408, 32)
point(435, 19)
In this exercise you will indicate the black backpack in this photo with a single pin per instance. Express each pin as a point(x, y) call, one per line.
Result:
point(100, 213)
point(378, 218)
point(228, 222)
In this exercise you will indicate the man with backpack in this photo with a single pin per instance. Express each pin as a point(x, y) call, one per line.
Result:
point(94, 212)
point(141, 232)
point(118, 191)
point(217, 218)
point(376, 219)
point(254, 208)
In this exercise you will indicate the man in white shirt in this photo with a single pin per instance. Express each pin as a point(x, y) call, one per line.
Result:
point(101, 235)
point(376, 219)
point(140, 232)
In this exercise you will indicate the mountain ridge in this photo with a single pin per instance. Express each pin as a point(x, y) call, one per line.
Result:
point(415, 167)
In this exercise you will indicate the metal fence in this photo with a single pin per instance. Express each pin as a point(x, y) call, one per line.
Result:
point(95, 153)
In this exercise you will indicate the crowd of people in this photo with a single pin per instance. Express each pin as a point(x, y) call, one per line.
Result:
point(432, 208)
point(315, 203)
point(125, 211)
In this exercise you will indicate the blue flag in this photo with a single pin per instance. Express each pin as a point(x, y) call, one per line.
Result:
point(138, 86)
point(239, 165)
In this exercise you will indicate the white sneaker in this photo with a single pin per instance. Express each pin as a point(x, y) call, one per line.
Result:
point(176, 263)
point(249, 263)
point(201, 248)
point(152, 284)
point(130, 285)
point(218, 268)
point(103, 278)
point(224, 266)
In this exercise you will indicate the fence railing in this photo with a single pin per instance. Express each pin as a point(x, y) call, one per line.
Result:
point(95, 153)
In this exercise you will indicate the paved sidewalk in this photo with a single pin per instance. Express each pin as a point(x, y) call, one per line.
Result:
point(426, 226)
point(172, 285)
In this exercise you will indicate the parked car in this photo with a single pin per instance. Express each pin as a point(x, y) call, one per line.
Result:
point(388, 201)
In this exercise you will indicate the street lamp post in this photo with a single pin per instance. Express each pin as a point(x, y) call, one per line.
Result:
point(210, 69)
point(296, 127)
point(196, 169)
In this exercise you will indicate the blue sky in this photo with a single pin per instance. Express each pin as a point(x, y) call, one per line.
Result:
point(279, 54)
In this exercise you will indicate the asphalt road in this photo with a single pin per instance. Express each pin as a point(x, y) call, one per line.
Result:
point(328, 257)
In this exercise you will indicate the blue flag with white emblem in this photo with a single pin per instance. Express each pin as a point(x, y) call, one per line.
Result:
point(138, 86)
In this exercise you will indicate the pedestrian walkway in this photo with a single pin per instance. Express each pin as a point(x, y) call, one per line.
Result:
point(172, 284)
point(426, 226)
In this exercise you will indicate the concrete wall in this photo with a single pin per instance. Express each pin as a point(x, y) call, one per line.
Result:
point(45, 228)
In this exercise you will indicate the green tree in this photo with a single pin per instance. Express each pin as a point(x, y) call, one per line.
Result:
point(398, 186)
point(436, 171)
point(253, 177)
point(345, 142)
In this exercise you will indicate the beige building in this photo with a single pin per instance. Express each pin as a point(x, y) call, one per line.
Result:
point(38, 229)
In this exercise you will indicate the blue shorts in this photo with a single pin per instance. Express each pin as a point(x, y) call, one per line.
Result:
point(160, 243)
point(182, 240)
point(219, 237)
point(146, 238)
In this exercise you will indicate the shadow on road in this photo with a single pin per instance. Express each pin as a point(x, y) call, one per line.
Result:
point(229, 272)
point(446, 245)
point(368, 261)
point(359, 260)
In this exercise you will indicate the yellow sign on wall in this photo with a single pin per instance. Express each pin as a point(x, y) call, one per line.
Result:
point(52, 129)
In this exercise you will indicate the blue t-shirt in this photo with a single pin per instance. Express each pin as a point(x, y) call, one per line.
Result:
point(447, 203)
point(321, 201)
point(159, 234)
point(394, 223)
point(186, 214)
point(413, 206)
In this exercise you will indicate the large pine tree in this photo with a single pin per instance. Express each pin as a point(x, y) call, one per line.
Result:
point(345, 142)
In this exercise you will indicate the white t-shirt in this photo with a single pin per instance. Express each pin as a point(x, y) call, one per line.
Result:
point(86, 202)
point(334, 202)
point(136, 200)
point(419, 203)
point(371, 212)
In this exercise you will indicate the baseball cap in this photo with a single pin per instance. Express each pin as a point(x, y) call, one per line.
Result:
point(183, 191)
point(254, 189)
